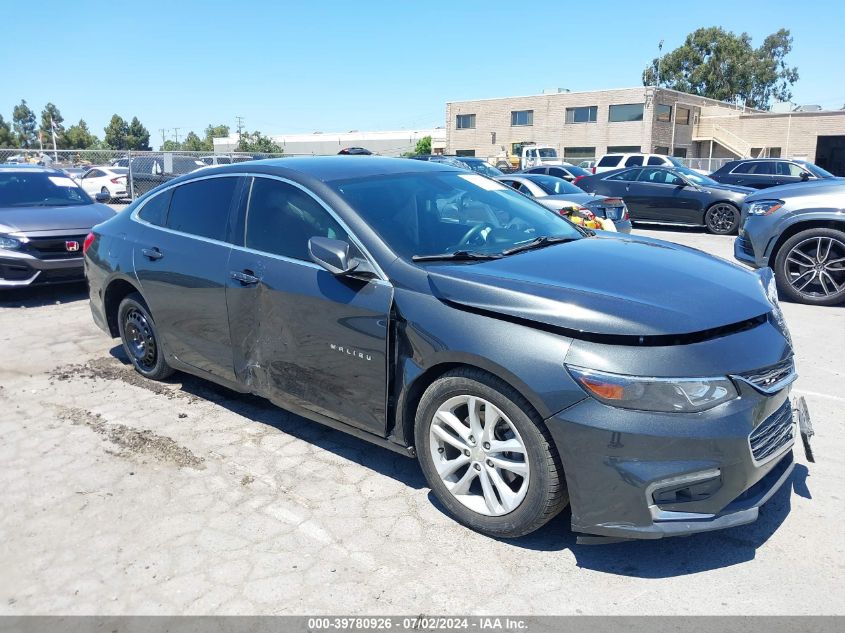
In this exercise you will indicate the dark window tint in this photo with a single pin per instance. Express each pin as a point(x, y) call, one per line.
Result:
point(154, 210)
point(660, 176)
point(633, 161)
point(761, 168)
point(282, 218)
point(95, 173)
point(656, 160)
point(626, 112)
point(627, 175)
point(557, 171)
point(202, 207)
point(742, 168)
point(465, 152)
point(609, 161)
point(663, 113)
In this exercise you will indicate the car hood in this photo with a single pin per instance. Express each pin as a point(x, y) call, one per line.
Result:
point(819, 187)
point(34, 219)
point(732, 188)
point(608, 285)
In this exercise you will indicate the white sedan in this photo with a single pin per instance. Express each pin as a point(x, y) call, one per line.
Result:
point(110, 180)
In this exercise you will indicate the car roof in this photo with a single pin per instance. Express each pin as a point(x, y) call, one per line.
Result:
point(41, 168)
point(328, 168)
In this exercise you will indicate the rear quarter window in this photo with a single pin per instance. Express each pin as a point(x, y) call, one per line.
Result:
point(609, 161)
point(202, 207)
point(155, 209)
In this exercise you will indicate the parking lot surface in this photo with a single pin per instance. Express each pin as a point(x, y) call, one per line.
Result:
point(124, 496)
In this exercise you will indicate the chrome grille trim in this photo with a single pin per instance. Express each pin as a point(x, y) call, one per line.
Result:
point(771, 379)
point(773, 435)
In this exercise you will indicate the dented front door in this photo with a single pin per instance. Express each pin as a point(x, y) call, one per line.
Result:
point(303, 336)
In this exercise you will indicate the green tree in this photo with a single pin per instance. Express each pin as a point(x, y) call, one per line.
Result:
point(7, 139)
point(23, 121)
point(212, 132)
point(138, 136)
point(79, 136)
point(257, 142)
point(117, 133)
point(171, 146)
point(49, 111)
point(719, 64)
point(193, 143)
point(423, 146)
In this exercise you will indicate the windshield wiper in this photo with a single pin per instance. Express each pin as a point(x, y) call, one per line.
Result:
point(538, 242)
point(456, 256)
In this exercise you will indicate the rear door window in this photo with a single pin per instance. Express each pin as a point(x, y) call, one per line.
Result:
point(742, 168)
point(202, 207)
point(633, 161)
point(627, 175)
point(761, 168)
point(281, 218)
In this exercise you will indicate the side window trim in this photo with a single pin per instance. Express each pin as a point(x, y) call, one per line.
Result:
point(241, 224)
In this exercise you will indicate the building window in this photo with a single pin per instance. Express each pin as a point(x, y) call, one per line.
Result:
point(586, 114)
point(465, 152)
point(571, 154)
point(626, 112)
point(663, 113)
point(680, 152)
point(682, 116)
point(624, 149)
point(663, 151)
point(465, 122)
point(521, 117)
point(774, 152)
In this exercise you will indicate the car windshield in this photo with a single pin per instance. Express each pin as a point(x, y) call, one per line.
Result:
point(419, 214)
point(694, 176)
point(816, 170)
point(485, 169)
point(553, 185)
point(40, 189)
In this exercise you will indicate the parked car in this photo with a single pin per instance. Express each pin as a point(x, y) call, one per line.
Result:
point(149, 171)
point(568, 172)
point(675, 195)
point(636, 159)
point(799, 231)
point(355, 151)
point(75, 172)
point(44, 219)
point(587, 165)
point(525, 363)
point(478, 165)
point(564, 198)
point(107, 180)
point(761, 173)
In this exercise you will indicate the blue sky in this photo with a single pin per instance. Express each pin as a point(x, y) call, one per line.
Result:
point(289, 67)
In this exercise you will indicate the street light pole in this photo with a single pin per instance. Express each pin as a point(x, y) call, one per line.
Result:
point(659, 55)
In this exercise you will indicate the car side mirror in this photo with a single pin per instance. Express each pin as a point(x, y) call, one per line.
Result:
point(335, 256)
point(102, 197)
point(805, 176)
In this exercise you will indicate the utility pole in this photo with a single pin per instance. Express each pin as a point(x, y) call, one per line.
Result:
point(176, 132)
point(659, 55)
point(163, 140)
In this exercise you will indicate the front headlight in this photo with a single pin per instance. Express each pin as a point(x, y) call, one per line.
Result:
point(670, 395)
point(764, 207)
point(10, 243)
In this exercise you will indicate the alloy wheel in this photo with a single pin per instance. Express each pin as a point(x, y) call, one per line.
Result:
point(722, 218)
point(815, 267)
point(479, 455)
point(140, 339)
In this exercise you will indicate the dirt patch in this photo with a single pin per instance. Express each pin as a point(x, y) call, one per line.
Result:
point(112, 369)
point(133, 442)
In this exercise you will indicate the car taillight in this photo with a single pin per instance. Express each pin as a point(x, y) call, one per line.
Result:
point(594, 169)
point(117, 180)
point(89, 239)
point(577, 178)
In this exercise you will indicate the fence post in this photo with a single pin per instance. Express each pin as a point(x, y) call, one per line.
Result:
point(131, 180)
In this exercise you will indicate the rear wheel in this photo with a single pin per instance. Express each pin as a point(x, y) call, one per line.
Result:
point(810, 267)
point(140, 338)
point(722, 218)
point(487, 455)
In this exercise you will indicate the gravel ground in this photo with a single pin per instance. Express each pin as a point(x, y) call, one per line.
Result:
point(122, 496)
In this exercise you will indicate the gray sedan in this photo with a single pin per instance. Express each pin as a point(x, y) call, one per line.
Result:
point(561, 196)
point(798, 230)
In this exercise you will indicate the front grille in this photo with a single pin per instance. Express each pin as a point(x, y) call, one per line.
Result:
point(773, 378)
point(54, 247)
point(773, 434)
point(745, 245)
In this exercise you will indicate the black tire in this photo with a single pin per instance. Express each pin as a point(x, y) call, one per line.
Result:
point(546, 493)
point(140, 338)
point(722, 218)
point(788, 268)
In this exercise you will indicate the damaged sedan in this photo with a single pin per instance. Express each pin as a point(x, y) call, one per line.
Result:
point(525, 362)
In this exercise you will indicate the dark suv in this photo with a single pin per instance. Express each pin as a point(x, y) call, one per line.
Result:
point(526, 363)
point(762, 173)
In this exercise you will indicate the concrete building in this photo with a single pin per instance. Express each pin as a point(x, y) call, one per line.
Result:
point(386, 143)
point(583, 125)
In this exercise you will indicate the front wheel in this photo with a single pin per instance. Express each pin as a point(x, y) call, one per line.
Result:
point(487, 455)
point(722, 218)
point(140, 338)
point(810, 267)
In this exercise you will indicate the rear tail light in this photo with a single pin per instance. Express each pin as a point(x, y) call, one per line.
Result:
point(118, 180)
point(594, 169)
point(625, 215)
point(89, 239)
point(577, 178)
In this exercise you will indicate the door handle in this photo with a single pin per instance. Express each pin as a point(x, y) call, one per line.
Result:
point(152, 253)
point(246, 277)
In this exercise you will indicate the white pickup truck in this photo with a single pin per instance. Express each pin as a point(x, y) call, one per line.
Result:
point(526, 156)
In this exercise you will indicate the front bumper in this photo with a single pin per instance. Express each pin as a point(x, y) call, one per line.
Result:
point(21, 269)
point(643, 475)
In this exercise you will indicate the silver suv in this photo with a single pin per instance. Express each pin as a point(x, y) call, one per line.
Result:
point(799, 231)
